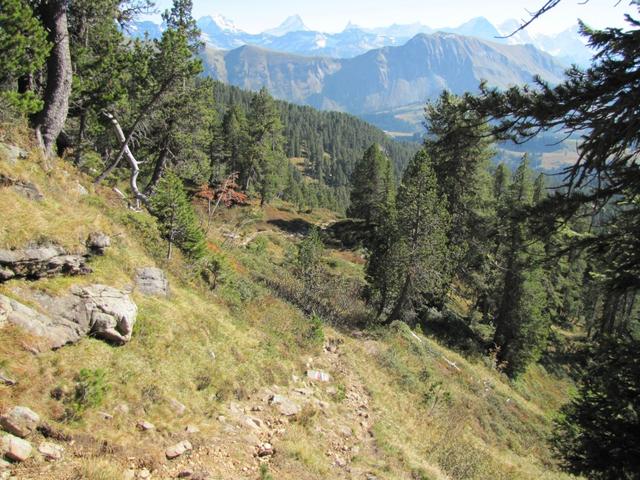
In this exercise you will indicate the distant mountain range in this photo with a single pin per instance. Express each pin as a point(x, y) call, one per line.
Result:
point(293, 36)
point(385, 85)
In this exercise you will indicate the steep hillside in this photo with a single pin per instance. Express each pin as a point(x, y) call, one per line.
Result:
point(383, 79)
point(237, 371)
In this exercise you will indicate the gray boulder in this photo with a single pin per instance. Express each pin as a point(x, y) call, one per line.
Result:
point(56, 331)
point(97, 310)
point(178, 449)
point(152, 281)
point(318, 376)
point(20, 421)
point(50, 451)
point(102, 311)
point(12, 154)
point(15, 448)
point(97, 243)
point(286, 406)
point(178, 408)
point(39, 262)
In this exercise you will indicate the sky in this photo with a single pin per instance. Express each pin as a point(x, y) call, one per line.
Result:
point(255, 16)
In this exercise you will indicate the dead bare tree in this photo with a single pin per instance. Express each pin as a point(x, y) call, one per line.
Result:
point(133, 163)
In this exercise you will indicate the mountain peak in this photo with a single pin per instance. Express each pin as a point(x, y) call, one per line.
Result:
point(217, 21)
point(294, 23)
point(351, 26)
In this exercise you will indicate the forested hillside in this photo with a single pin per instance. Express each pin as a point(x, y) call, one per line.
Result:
point(202, 282)
point(330, 142)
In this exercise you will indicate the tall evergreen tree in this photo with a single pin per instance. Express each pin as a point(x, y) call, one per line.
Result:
point(598, 433)
point(373, 188)
point(23, 51)
point(267, 161)
point(178, 222)
point(522, 323)
point(412, 270)
point(460, 146)
point(236, 139)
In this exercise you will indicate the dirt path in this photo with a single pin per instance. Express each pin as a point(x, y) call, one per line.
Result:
point(328, 403)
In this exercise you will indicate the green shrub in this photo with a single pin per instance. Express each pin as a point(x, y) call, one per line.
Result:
point(90, 391)
point(315, 334)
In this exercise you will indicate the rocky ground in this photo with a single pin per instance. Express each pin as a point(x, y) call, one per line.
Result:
point(246, 436)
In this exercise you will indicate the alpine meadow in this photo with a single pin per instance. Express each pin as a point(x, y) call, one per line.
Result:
point(392, 252)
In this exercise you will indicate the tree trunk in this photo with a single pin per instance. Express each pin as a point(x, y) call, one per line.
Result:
point(126, 139)
point(50, 121)
point(402, 300)
point(157, 171)
point(133, 163)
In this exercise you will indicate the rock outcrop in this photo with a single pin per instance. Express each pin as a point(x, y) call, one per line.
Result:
point(100, 311)
point(39, 262)
point(26, 189)
point(97, 243)
point(178, 449)
point(12, 154)
point(96, 310)
point(152, 282)
point(15, 448)
point(56, 331)
point(20, 421)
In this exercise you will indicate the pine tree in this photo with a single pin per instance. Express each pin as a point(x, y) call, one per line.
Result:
point(266, 157)
point(598, 433)
point(101, 65)
point(236, 140)
point(159, 70)
point(308, 261)
point(522, 323)
point(23, 51)
point(177, 219)
point(460, 146)
point(411, 270)
point(372, 188)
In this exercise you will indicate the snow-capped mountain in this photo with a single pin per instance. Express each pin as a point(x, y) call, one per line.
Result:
point(292, 24)
point(567, 46)
point(478, 27)
point(293, 36)
point(221, 32)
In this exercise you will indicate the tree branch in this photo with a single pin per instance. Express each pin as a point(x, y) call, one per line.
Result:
point(133, 163)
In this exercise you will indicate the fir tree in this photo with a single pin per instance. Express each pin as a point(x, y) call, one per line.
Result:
point(23, 51)
point(522, 323)
point(460, 147)
point(177, 219)
point(598, 434)
point(372, 188)
point(411, 271)
point(266, 149)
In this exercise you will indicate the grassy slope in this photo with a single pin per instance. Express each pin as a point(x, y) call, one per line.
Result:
point(412, 414)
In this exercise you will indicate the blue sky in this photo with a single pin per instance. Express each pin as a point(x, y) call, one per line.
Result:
point(332, 15)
